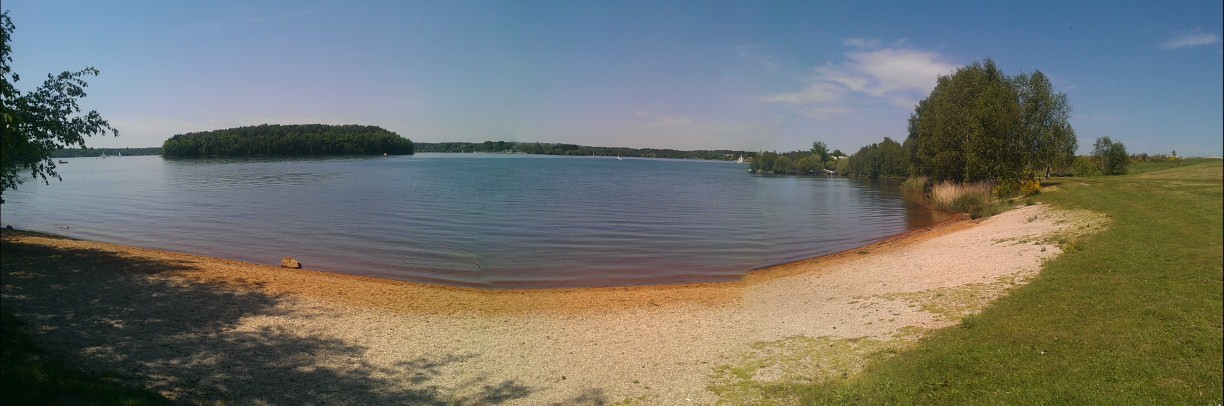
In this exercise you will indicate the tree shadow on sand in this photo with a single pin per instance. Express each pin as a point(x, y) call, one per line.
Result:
point(99, 311)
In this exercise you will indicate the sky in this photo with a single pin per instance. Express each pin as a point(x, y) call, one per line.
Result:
point(752, 75)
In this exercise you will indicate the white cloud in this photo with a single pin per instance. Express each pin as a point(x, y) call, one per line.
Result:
point(899, 76)
point(861, 42)
point(817, 91)
point(1190, 39)
point(753, 55)
point(668, 131)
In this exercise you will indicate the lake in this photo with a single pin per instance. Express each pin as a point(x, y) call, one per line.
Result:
point(476, 220)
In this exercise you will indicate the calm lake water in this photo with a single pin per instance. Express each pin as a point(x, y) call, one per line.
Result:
point(489, 221)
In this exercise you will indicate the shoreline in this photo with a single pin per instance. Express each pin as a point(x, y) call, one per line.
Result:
point(200, 329)
point(528, 299)
point(952, 223)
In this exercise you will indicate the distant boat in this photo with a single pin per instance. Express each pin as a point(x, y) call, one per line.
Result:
point(618, 158)
point(103, 155)
point(741, 160)
point(63, 161)
point(121, 155)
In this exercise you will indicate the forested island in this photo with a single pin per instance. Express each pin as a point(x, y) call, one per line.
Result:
point(297, 139)
point(511, 147)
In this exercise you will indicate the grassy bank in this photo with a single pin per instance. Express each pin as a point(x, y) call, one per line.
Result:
point(1130, 316)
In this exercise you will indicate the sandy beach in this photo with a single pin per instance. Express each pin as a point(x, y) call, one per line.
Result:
point(201, 329)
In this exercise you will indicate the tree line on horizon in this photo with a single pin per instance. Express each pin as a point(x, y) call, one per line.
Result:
point(537, 148)
point(296, 139)
point(818, 160)
point(97, 152)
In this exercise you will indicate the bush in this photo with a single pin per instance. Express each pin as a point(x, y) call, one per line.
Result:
point(916, 184)
point(1111, 155)
point(967, 202)
point(1085, 166)
point(1031, 187)
point(1005, 189)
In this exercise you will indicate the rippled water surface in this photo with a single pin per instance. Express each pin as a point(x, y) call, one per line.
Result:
point(493, 221)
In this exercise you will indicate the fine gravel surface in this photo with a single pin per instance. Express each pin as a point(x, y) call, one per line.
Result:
point(201, 330)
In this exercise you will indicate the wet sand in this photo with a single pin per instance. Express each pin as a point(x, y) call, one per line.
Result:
point(201, 329)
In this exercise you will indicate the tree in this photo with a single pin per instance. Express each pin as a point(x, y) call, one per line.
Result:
point(821, 151)
point(1110, 155)
point(1048, 140)
point(810, 164)
point(40, 122)
point(978, 124)
point(783, 165)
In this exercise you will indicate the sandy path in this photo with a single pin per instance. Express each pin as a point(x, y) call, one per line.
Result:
point(200, 329)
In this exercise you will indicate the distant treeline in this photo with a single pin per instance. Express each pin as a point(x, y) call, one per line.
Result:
point(511, 147)
point(301, 139)
point(92, 152)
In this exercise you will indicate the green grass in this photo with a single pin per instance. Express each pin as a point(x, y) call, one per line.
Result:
point(1133, 315)
point(29, 377)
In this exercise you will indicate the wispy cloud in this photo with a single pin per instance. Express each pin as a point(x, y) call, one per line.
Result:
point(754, 54)
point(661, 130)
point(861, 42)
point(1190, 39)
point(900, 76)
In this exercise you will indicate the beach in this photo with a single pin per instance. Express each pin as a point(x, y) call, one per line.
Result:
point(200, 329)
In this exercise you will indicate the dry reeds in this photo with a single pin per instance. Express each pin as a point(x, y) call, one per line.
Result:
point(963, 198)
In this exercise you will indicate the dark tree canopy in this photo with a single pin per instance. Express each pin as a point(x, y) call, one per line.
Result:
point(301, 139)
point(979, 124)
point(885, 159)
point(38, 123)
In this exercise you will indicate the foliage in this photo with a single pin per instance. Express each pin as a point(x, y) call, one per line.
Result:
point(1130, 315)
point(810, 164)
point(1031, 187)
point(916, 184)
point(1110, 155)
point(821, 151)
point(981, 125)
point(884, 159)
point(95, 152)
point(37, 123)
point(304, 139)
point(1086, 166)
point(512, 147)
point(784, 165)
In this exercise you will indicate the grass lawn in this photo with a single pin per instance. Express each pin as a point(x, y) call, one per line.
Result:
point(1132, 315)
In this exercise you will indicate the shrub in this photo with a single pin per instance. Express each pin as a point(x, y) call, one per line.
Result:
point(1005, 189)
point(1031, 187)
point(1111, 155)
point(1085, 166)
point(916, 184)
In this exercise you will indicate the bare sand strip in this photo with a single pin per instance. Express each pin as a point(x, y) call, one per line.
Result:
point(201, 329)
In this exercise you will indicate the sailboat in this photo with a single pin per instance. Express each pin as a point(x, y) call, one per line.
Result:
point(741, 160)
point(618, 158)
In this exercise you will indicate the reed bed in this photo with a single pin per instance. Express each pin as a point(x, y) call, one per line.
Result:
point(973, 198)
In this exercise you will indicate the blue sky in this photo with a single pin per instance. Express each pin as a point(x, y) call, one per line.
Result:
point(670, 74)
